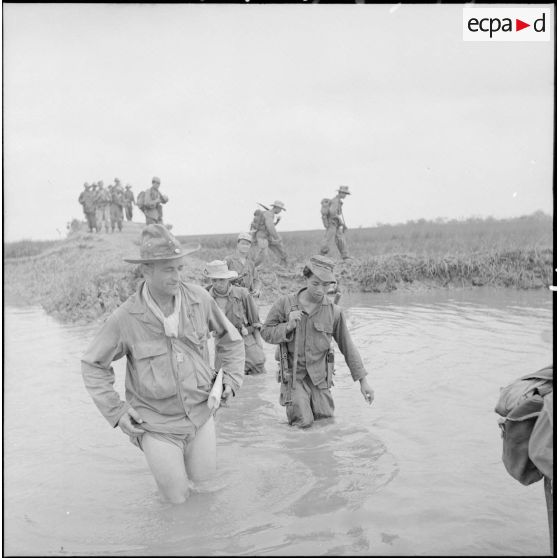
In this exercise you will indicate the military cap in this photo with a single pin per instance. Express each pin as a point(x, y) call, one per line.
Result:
point(322, 268)
point(344, 190)
point(156, 179)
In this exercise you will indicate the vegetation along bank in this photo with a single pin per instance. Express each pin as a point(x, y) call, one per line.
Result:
point(83, 277)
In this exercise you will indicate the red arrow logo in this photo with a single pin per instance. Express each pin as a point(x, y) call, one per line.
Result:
point(519, 25)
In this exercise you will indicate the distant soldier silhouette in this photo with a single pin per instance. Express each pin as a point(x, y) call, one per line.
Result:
point(266, 235)
point(129, 201)
point(102, 206)
point(152, 203)
point(87, 200)
point(334, 222)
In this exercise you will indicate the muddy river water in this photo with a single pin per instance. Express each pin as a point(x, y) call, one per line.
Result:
point(417, 473)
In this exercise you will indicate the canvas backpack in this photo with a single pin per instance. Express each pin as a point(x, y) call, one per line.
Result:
point(520, 405)
point(140, 202)
point(258, 222)
point(324, 210)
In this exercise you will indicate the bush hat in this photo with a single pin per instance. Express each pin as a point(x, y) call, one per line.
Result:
point(278, 204)
point(218, 269)
point(244, 236)
point(344, 190)
point(156, 179)
point(158, 244)
point(322, 268)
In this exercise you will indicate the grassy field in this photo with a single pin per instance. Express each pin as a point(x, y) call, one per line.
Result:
point(512, 253)
point(83, 277)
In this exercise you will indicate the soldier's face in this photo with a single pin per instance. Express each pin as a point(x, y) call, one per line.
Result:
point(155, 185)
point(243, 246)
point(316, 288)
point(220, 285)
point(163, 278)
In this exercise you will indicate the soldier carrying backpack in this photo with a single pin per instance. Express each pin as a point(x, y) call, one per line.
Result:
point(265, 235)
point(334, 222)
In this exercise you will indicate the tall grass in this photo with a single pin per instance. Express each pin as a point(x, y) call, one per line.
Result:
point(512, 253)
point(84, 277)
point(27, 248)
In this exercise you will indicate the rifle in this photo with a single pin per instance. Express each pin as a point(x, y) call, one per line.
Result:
point(283, 376)
point(287, 376)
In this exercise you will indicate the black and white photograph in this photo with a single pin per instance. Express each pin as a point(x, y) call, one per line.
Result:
point(279, 279)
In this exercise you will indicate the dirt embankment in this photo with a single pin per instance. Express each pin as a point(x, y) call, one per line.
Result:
point(84, 276)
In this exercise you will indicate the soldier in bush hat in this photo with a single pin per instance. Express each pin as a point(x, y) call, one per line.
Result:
point(162, 330)
point(266, 234)
point(334, 222)
point(303, 325)
point(242, 312)
point(240, 262)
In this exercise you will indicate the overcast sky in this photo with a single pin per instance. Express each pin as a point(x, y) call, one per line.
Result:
point(236, 104)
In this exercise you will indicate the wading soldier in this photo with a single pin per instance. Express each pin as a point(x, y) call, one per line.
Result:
point(162, 331)
point(152, 203)
point(303, 324)
point(266, 234)
point(87, 200)
point(102, 206)
point(334, 222)
point(242, 312)
point(248, 276)
point(129, 202)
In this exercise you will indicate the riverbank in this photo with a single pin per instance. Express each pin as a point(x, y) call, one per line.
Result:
point(83, 277)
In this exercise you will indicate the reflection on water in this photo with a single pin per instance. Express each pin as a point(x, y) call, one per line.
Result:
point(418, 472)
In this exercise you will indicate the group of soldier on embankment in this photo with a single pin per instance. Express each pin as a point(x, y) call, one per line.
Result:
point(106, 206)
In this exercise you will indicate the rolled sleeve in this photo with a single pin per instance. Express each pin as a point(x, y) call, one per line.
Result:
point(348, 349)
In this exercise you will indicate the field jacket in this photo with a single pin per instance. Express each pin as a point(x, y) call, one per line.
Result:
point(269, 226)
point(241, 310)
point(247, 273)
point(102, 197)
point(316, 331)
point(87, 199)
point(167, 378)
point(335, 213)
